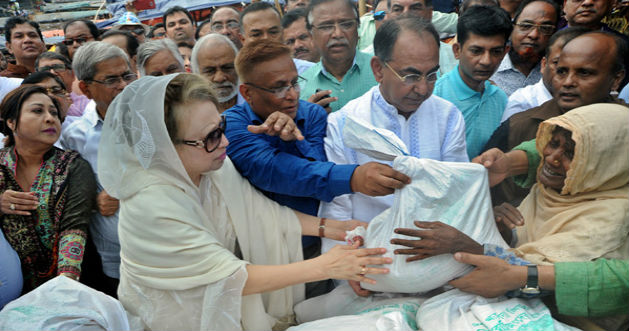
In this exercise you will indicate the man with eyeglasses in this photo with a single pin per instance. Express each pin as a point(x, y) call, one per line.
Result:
point(297, 36)
point(77, 33)
point(535, 21)
point(103, 71)
point(25, 41)
point(482, 36)
point(226, 21)
point(276, 142)
point(343, 73)
point(60, 66)
point(405, 65)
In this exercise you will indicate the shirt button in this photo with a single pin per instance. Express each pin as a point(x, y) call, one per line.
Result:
point(342, 90)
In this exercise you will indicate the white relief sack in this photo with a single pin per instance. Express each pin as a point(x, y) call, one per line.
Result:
point(453, 193)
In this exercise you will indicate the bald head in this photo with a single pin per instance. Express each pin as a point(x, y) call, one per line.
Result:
point(226, 21)
point(213, 57)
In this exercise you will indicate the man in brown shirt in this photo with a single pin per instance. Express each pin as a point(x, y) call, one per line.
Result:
point(25, 42)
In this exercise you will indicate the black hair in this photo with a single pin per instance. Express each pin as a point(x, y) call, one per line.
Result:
point(293, 16)
point(485, 21)
point(565, 35)
point(468, 3)
point(527, 2)
point(177, 9)
point(315, 3)
point(257, 6)
point(90, 25)
point(389, 32)
point(16, 20)
point(201, 25)
point(61, 49)
point(11, 108)
point(53, 56)
point(151, 33)
point(132, 41)
point(40, 76)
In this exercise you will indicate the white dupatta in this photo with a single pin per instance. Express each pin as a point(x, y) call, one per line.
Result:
point(175, 270)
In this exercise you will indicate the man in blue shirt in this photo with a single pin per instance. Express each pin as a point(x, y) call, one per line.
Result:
point(482, 43)
point(276, 140)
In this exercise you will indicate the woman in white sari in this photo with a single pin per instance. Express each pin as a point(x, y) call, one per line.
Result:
point(185, 212)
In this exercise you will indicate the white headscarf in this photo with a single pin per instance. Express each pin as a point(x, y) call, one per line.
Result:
point(173, 235)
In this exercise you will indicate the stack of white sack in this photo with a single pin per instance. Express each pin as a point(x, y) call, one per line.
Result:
point(453, 193)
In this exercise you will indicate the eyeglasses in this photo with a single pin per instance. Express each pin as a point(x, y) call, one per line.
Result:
point(115, 80)
point(411, 79)
point(230, 25)
point(79, 40)
point(212, 140)
point(280, 92)
point(343, 25)
point(55, 67)
point(545, 29)
point(57, 91)
point(379, 15)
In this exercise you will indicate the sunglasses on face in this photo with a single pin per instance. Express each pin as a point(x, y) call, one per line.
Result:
point(79, 40)
point(212, 140)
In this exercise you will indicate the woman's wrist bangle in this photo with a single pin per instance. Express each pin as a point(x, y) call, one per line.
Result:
point(322, 227)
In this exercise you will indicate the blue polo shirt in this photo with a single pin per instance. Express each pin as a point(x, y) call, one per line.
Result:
point(296, 174)
point(481, 111)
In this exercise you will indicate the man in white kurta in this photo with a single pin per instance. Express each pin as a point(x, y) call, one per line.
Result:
point(433, 129)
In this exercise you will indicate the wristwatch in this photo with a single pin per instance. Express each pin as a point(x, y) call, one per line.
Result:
point(531, 287)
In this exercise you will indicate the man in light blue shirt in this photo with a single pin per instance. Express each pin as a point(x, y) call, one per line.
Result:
point(482, 43)
point(103, 71)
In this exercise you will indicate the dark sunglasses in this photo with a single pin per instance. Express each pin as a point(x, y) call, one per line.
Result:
point(212, 140)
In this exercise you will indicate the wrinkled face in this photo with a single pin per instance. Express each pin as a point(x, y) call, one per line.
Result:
point(179, 28)
point(584, 72)
point(59, 93)
point(217, 66)
point(226, 21)
point(25, 43)
point(159, 33)
point(335, 31)
point(532, 43)
point(413, 8)
point(103, 94)
point(558, 155)
point(294, 4)
point(162, 63)
point(58, 68)
point(549, 64)
point(586, 12)
point(273, 74)
point(262, 24)
point(185, 53)
point(412, 54)
point(200, 118)
point(79, 34)
point(39, 122)
point(298, 38)
point(479, 57)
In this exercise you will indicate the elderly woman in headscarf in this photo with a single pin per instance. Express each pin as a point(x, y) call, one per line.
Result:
point(579, 208)
point(201, 249)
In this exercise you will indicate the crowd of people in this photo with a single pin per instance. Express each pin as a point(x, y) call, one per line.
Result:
point(198, 172)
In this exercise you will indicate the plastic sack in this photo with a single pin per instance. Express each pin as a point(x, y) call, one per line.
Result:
point(455, 310)
point(64, 304)
point(453, 193)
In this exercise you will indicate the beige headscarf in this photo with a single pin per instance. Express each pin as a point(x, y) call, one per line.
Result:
point(176, 269)
point(589, 219)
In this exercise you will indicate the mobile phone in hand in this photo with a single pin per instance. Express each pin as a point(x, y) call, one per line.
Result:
point(323, 97)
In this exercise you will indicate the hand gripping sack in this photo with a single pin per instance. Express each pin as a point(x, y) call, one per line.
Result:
point(453, 193)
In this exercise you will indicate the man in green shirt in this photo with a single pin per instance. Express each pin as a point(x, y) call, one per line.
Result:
point(343, 73)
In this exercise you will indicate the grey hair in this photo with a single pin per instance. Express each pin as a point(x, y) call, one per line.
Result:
point(150, 48)
point(201, 43)
point(92, 53)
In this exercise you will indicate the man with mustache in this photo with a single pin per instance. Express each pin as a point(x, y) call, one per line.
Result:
point(276, 141)
point(25, 42)
point(297, 37)
point(535, 21)
point(343, 73)
point(213, 58)
point(590, 66)
point(482, 33)
point(179, 25)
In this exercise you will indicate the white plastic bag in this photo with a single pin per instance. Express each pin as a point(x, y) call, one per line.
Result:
point(455, 310)
point(453, 193)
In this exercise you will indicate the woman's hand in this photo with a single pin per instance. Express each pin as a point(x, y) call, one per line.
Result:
point(336, 229)
point(18, 203)
point(349, 262)
point(508, 215)
point(439, 238)
point(107, 206)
